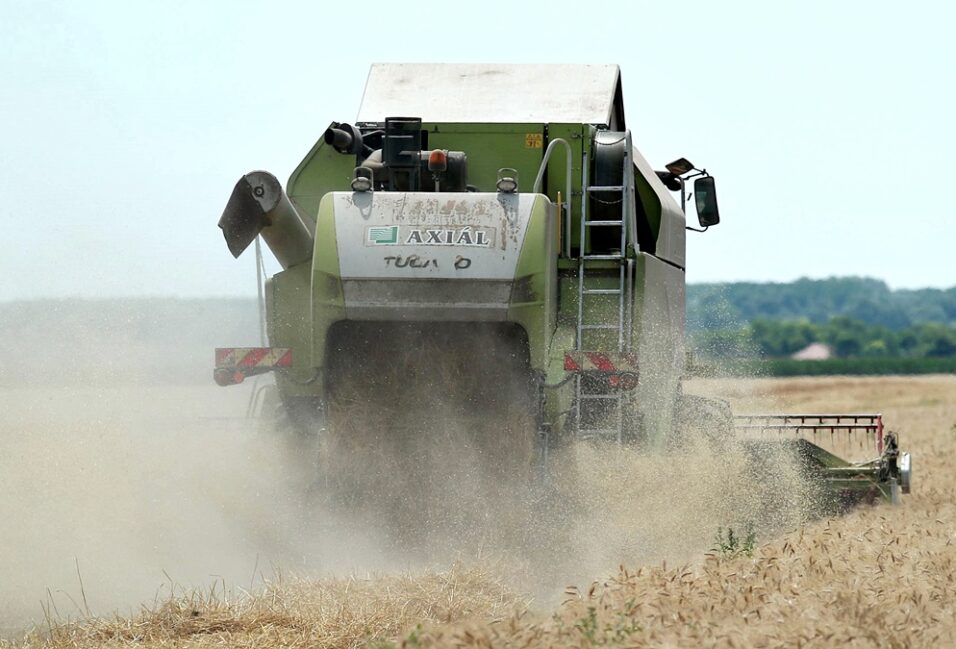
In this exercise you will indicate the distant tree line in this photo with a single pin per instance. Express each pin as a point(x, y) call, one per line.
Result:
point(846, 337)
point(870, 301)
point(869, 329)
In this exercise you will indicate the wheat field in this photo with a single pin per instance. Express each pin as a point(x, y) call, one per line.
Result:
point(879, 576)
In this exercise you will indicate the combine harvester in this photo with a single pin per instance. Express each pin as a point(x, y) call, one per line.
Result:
point(513, 208)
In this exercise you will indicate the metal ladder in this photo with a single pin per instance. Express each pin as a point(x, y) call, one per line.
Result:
point(613, 422)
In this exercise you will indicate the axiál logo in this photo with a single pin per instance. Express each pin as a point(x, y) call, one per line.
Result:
point(383, 235)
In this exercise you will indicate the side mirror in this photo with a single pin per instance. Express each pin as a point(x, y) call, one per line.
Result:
point(705, 194)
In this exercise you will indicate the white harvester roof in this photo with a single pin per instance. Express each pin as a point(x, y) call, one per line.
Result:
point(494, 93)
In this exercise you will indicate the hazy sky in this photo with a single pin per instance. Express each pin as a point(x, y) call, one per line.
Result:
point(125, 124)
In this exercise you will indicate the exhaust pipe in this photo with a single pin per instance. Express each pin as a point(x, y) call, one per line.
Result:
point(345, 138)
point(259, 206)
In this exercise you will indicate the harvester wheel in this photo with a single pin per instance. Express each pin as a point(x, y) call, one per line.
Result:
point(700, 419)
point(298, 423)
point(300, 417)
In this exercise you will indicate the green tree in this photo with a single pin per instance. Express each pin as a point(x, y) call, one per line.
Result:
point(782, 338)
point(937, 341)
point(725, 343)
point(845, 336)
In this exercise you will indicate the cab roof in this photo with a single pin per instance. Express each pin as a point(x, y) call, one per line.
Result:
point(494, 93)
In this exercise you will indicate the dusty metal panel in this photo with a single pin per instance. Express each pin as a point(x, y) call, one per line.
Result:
point(499, 93)
point(392, 235)
point(427, 300)
point(660, 347)
point(671, 241)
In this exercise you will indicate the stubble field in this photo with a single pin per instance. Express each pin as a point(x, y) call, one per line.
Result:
point(877, 577)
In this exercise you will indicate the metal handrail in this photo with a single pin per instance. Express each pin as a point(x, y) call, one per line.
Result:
point(539, 183)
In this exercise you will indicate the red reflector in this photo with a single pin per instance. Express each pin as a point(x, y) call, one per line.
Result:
point(601, 361)
point(253, 356)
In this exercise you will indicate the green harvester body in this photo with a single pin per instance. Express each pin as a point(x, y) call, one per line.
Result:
point(512, 197)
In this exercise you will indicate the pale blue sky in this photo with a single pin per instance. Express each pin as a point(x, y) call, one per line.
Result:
point(125, 124)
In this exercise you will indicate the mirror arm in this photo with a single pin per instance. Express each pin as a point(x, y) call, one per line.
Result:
point(684, 196)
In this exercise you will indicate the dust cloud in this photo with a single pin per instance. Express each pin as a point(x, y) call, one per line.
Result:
point(142, 489)
point(115, 495)
point(437, 448)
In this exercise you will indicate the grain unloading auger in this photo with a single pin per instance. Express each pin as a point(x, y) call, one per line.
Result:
point(511, 225)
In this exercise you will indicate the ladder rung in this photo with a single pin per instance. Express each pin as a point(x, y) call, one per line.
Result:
point(615, 403)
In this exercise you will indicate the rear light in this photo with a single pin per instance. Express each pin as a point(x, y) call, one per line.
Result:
point(437, 161)
point(224, 377)
point(626, 381)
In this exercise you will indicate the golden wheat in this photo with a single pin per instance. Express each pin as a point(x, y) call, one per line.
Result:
point(878, 577)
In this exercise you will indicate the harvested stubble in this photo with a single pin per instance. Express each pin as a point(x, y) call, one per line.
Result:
point(878, 577)
point(334, 613)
